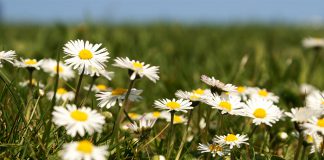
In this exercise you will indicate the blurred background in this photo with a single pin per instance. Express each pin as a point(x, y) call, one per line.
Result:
point(251, 42)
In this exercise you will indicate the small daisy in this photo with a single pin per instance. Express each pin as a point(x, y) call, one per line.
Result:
point(134, 116)
point(242, 91)
point(311, 42)
point(78, 120)
point(218, 85)
point(214, 149)
point(177, 119)
point(315, 100)
point(232, 140)
point(301, 115)
point(34, 83)
point(173, 105)
point(144, 125)
point(83, 150)
point(227, 104)
point(8, 56)
point(109, 98)
point(50, 66)
point(154, 115)
point(195, 95)
point(314, 125)
point(264, 94)
point(262, 111)
point(29, 63)
point(97, 88)
point(82, 54)
point(61, 94)
point(138, 68)
point(93, 71)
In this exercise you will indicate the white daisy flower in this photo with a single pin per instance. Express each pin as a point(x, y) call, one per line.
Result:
point(314, 125)
point(8, 56)
point(97, 88)
point(35, 83)
point(317, 144)
point(61, 94)
point(307, 89)
point(109, 98)
point(232, 140)
point(195, 95)
point(218, 85)
point(134, 116)
point(315, 100)
point(264, 94)
point(155, 115)
point(173, 105)
point(138, 68)
point(82, 54)
point(227, 104)
point(301, 115)
point(242, 91)
point(311, 42)
point(93, 71)
point(83, 150)
point(177, 119)
point(28, 63)
point(143, 125)
point(50, 66)
point(214, 149)
point(78, 120)
point(262, 111)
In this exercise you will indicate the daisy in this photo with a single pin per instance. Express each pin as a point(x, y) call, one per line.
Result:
point(307, 89)
point(311, 42)
point(78, 120)
point(97, 88)
point(28, 63)
point(97, 72)
point(173, 105)
point(227, 104)
point(144, 125)
point(262, 111)
point(83, 150)
point(61, 94)
point(218, 85)
point(34, 83)
point(315, 100)
point(134, 116)
point(156, 115)
point(109, 98)
point(317, 144)
point(50, 66)
point(214, 149)
point(82, 54)
point(314, 125)
point(138, 68)
point(177, 119)
point(301, 115)
point(264, 94)
point(195, 95)
point(242, 91)
point(232, 140)
point(8, 56)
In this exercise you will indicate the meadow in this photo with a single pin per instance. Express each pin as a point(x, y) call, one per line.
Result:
point(265, 56)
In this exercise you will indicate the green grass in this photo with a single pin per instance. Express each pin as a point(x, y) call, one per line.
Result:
point(274, 58)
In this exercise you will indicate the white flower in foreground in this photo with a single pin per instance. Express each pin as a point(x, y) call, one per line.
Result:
point(28, 63)
point(61, 94)
point(143, 125)
point(83, 150)
point(232, 140)
point(109, 98)
point(173, 105)
point(138, 68)
point(311, 42)
point(8, 56)
point(214, 149)
point(50, 66)
point(195, 95)
point(227, 104)
point(76, 120)
point(262, 111)
point(315, 100)
point(216, 84)
point(94, 71)
point(301, 115)
point(264, 94)
point(307, 89)
point(97, 88)
point(82, 54)
point(314, 125)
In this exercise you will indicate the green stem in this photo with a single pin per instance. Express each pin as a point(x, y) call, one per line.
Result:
point(207, 123)
point(89, 90)
point(185, 136)
point(303, 152)
point(313, 64)
point(78, 86)
point(300, 142)
point(170, 146)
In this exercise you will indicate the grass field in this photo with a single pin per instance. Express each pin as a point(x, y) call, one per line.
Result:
point(270, 57)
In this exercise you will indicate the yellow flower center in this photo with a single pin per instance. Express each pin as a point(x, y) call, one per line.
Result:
point(177, 119)
point(198, 91)
point(85, 147)
point(156, 114)
point(322, 102)
point(263, 93)
point(231, 138)
point(133, 115)
point(240, 89)
point(173, 105)
point(61, 91)
point(215, 148)
point(137, 65)
point(320, 122)
point(60, 69)
point(309, 139)
point(79, 115)
point(85, 54)
point(30, 61)
point(226, 105)
point(118, 91)
point(101, 87)
point(260, 113)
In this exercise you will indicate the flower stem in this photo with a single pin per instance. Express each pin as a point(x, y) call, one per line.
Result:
point(185, 135)
point(90, 88)
point(170, 145)
point(300, 142)
point(78, 86)
point(313, 64)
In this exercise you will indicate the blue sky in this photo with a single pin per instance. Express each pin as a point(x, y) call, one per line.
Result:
point(187, 11)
